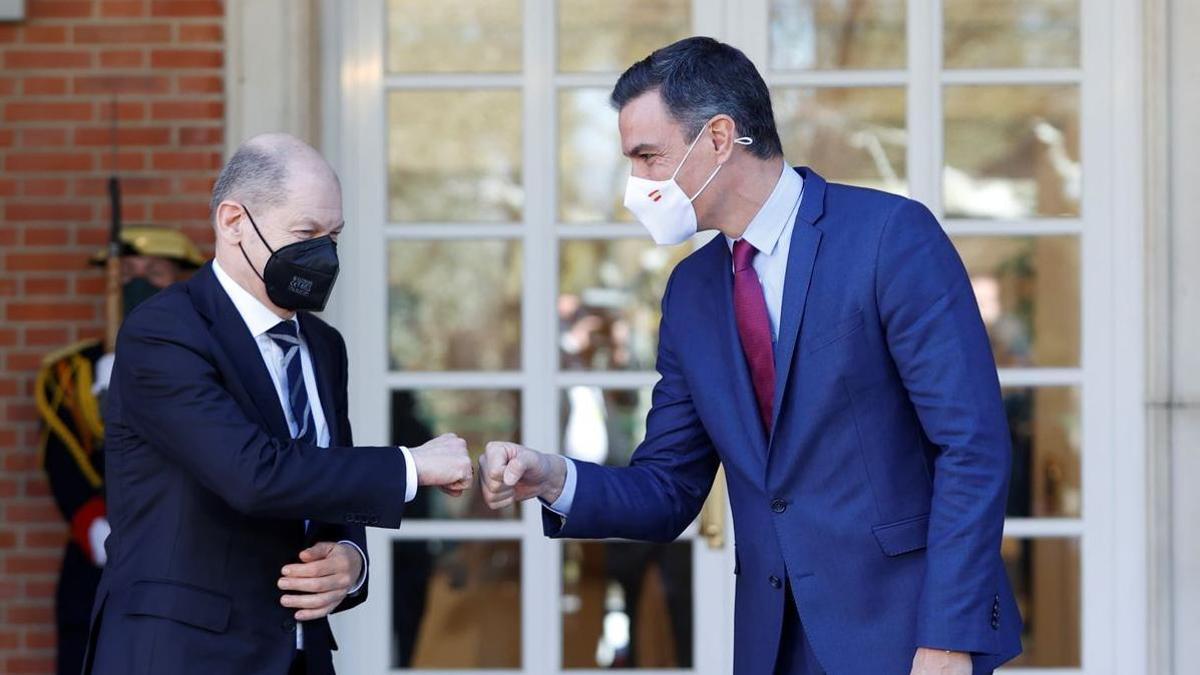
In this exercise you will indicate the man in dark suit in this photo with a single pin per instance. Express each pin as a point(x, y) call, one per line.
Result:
point(236, 499)
point(827, 348)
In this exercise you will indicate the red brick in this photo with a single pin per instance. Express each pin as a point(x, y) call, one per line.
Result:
point(196, 186)
point(8, 488)
point(49, 211)
point(44, 187)
point(22, 362)
point(201, 32)
point(28, 58)
point(9, 33)
point(92, 236)
point(8, 287)
point(37, 486)
point(201, 84)
point(195, 210)
point(92, 187)
point(25, 615)
point(131, 211)
point(37, 112)
point(187, 8)
point(42, 34)
point(39, 511)
point(187, 58)
point(48, 161)
point(46, 236)
point(125, 161)
point(123, 84)
point(122, 8)
point(45, 538)
point(123, 58)
point(89, 286)
point(47, 336)
point(41, 639)
point(123, 33)
point(187, 160)
point(41, 137)
point(185, 110)
point(103, 136)
point(126, 110)
point(201, 135)
point(54, 286)
point(8, 188)
point(29, 665)
point(41, 9)
point(135, 186)
point(47, 86)
point(50, 311)
point(8, 85)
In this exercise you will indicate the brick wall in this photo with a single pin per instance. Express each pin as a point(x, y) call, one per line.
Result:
point(61, 66)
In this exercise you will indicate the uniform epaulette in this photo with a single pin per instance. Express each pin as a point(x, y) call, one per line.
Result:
point(63, 353)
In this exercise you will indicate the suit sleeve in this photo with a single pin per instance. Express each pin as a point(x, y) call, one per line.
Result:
point(940, 346)
point(662, 490)
point(173, 398)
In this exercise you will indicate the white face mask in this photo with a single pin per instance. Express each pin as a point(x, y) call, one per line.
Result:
point(661, 205)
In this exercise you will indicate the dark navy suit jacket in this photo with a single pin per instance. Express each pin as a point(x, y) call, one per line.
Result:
point(208, 494)
point(879, 493)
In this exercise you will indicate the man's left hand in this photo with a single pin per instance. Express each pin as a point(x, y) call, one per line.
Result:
point(941, 662)
point(324, 577)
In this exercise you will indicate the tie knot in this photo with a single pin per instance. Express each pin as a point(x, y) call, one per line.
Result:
point(285, 334)
point(743, 255)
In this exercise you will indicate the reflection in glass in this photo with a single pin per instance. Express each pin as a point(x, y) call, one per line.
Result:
point(591, 169)
point(454, 36)
point(852, 135)
point(1027, 34)
point(478, 417)
point(612, 35)
point(603, 426)
point(609, 302)
point(1012, 151)
point(837, 34)
point(456, 604)
point(1028, 294)
point(1045, 578)
point(454, 155)
point(454, 305)
point(627, 605)
point(1044, 423)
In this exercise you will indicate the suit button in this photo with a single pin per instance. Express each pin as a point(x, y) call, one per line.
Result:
point(775, 582)
point(779, 505)
point(288, 625)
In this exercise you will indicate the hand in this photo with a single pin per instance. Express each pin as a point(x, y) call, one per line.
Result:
point(444, 462)
point(324, 578)
point(513, 473)
point(941, 662)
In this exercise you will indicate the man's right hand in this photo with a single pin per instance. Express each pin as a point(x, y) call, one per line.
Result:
point(513, 473)
point(444, 463)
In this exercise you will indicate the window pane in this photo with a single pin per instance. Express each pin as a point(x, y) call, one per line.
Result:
point(603, 426)
point(851, 135)
point(627, 605)
point(609, 302)
point(1045, 578)
point(434, 323)
point(1044, 424)
point(1012, 151)
point(837, 34)
point(612, 35)
point(456, 604)
point(1030, 33)
point(1028, 294)
point(478, 417)
point(591, 169)
point(449, 36)
point(454, 156)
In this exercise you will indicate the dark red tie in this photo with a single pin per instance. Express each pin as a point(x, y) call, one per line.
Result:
point(754, 328)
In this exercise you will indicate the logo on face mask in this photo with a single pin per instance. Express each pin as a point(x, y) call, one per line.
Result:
point(663, 208)
point(298, 276)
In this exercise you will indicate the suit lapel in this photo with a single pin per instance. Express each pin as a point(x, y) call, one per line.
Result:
point(324, 364)
point(802, 256)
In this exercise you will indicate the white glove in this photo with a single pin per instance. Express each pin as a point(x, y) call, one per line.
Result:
point(102, 374)
point(98, 531)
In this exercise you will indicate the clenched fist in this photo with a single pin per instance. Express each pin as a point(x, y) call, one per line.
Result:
point(444, 463)
point(513, 473)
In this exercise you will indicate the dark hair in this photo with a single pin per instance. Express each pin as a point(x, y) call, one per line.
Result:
point(699, 78)
point(254, 175)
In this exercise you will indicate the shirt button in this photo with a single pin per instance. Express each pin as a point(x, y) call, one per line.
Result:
point(775, 582)
point(779, 505)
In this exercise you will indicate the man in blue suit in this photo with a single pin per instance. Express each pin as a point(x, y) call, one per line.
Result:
point(826, 348)
point(236, 499)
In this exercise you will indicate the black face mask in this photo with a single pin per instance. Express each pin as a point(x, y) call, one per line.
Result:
point(299, 276)
point(136, 291)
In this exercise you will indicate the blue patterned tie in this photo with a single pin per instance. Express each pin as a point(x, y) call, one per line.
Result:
point(302, 425)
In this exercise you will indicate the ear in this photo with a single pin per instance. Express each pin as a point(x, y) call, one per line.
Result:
point(722, 131)
point(229, 222)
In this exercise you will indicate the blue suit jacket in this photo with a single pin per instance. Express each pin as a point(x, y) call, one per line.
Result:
point(879, 493)
point(208, 493)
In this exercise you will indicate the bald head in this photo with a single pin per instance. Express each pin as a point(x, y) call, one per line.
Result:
point(266, 170)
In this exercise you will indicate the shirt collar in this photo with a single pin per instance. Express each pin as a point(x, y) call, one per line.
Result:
point(258, 317)
point(768, 224)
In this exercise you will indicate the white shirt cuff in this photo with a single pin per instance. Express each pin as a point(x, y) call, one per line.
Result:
point(410, 482)
point(562, 505)
point(362, 576)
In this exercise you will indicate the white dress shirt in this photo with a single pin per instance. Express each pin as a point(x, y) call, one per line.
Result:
point(259, 319)
point(770, 233)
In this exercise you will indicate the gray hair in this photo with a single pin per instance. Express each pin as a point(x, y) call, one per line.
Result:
point(255, 175)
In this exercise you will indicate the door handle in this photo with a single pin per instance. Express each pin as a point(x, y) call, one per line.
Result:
point(712, 515)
